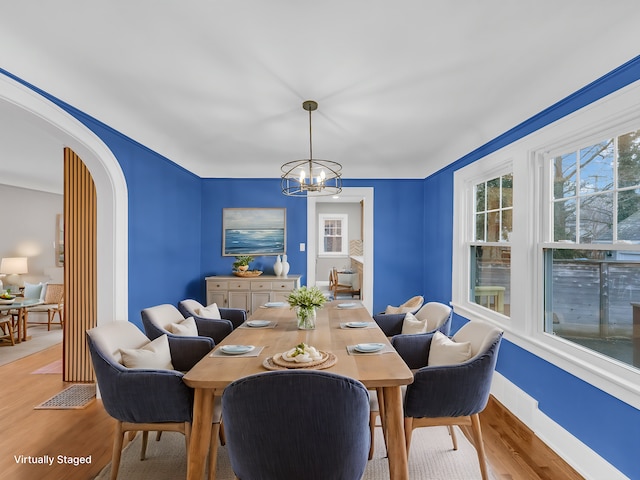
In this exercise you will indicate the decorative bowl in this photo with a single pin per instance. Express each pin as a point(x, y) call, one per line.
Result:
point(248, 273)
point(7, 301)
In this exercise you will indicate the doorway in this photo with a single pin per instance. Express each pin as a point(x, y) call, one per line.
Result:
point(348, 195)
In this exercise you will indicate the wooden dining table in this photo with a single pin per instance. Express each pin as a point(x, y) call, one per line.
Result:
point(386, 371)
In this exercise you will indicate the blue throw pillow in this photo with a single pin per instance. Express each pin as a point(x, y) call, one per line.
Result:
point(33, 290)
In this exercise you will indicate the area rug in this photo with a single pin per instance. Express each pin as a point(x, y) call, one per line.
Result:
point(41, 339)
point(75, 396)
point(431, 457)
point(52, 368)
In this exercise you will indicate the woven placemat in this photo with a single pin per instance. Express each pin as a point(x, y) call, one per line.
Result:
point(75, 396)
point(331, 360)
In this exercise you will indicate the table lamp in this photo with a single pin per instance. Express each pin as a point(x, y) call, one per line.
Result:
point(12, 267)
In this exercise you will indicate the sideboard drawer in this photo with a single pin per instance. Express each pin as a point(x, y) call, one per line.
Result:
point(217, 285)
point(260, 285)
point(238, 285)
point(283, 285)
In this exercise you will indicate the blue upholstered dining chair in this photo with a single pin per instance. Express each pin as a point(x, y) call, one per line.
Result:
point(157, 321)
point(290, 424)
point(193, 308)
point(144, 399)
point(450, 394)
point(438, 319)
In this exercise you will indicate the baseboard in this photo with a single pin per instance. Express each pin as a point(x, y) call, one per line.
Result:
point(583, 459)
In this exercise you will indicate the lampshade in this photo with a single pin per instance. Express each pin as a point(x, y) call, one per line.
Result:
point(14, 265)
point(311, 176)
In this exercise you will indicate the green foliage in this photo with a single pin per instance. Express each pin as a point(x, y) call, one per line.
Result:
point(306, 297)
point(242, 260)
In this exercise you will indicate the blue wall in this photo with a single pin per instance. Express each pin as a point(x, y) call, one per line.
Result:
point(175, 240)
point(607, 425)
point(398, 210)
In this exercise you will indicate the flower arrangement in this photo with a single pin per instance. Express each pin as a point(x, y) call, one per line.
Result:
point(306, 300)
point(306, 297)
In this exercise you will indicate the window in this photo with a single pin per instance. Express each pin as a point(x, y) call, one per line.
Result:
point(571, 243)
point(591, 292)
point(490, 254)
point(334, 238)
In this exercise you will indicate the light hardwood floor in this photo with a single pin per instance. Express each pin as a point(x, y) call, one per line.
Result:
point(513, 452)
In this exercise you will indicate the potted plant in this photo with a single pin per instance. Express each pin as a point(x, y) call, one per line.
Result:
point(306, 301)
point(242, 263)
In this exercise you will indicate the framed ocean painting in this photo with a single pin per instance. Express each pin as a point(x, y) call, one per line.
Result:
point(254, 231)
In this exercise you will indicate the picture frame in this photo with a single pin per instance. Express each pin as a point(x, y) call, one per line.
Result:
point(254, 231)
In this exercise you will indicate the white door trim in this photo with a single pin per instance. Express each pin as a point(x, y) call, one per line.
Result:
point(348, 195)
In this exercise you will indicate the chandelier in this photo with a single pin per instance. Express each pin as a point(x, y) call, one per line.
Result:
point(311, 176)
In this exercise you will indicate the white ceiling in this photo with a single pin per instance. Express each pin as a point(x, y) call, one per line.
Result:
point(404, 87)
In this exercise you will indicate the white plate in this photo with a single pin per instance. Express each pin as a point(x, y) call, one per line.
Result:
point(357, 324)
point(347, 305)
point(274, 304)
point(236, 349)
point(368, 347)
point(258, 323)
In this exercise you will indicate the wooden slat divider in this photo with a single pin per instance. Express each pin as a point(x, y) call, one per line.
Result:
point(80, 267)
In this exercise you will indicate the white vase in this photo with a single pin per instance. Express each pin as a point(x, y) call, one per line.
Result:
point(285, 266)
point(277, 267)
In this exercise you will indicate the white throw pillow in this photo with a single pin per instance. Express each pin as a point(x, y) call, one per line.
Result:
point(185, 328)
point(411, 325)
point(210, 311)
point(153, 355)
point(445, 351)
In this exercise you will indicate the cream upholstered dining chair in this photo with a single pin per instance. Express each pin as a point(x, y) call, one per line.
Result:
point(53, 304)
point(452, 380)
point(193, 308)
point(141, 384)
point(167, 320)
point(411, 305)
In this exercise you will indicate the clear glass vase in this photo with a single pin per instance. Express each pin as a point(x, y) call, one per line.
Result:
point(306, 318)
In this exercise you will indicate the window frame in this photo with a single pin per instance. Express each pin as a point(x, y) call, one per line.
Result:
point(465, 204)
point(344, 218)
point(614, 115)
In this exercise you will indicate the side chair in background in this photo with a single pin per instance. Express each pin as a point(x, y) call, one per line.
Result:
point(53, 304)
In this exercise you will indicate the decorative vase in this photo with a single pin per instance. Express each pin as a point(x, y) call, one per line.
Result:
point(243, 268)
point(277, 267)
point(285, 266)
point(306, 318)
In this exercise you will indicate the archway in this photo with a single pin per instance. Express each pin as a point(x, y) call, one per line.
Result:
point(111, 191)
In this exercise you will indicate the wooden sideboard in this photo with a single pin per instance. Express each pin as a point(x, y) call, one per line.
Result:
point(248, 293)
